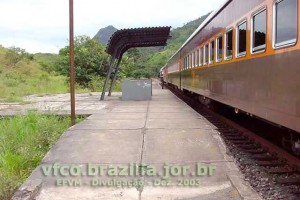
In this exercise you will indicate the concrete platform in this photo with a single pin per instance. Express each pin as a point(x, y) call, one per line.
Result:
point(58, 104)
point(160, 133)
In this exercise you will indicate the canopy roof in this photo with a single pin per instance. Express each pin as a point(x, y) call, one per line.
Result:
point(124, 39)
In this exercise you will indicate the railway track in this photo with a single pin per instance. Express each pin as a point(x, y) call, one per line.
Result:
point(272, 172)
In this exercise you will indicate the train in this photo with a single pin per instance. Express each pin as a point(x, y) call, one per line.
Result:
point(245, 55)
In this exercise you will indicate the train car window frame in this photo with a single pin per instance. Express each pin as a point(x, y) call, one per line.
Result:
point(237, 39)
point(218, 58)
point(200, 56)
point(287, 43)
point(261, 48)
point(211, 50)
point(225, 44)
point(205, 54)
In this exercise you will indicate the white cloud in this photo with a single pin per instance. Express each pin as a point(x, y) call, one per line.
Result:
point(42, 25)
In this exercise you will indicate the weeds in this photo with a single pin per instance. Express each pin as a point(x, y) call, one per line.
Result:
point(24, 142)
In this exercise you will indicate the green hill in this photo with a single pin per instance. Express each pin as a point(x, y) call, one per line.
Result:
point(23, 74)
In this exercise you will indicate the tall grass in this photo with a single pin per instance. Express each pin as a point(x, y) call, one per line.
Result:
point(24, 142)
point(13, 86)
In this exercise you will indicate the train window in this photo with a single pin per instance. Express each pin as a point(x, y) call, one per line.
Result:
point(194, 59)
point(191, 60)
point(197, 58)
point(229, 44)
point(187, 62)
point(285, 23)
point(241, 39)
point(219, 48)
point(212, 52)
point(205, 54)
point(200, 56)
point(259, 31)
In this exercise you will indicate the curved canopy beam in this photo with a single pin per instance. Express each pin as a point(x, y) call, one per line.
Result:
point(125, 39)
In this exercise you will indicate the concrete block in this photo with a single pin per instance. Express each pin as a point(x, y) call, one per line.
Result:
point(136, 90)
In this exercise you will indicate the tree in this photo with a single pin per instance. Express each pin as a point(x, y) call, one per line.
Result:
point(90, 60)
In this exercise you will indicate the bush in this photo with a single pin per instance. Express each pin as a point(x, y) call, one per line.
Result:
point(141, 73)
point(90, 60)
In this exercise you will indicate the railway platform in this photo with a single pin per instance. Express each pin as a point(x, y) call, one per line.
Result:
point(158, 149)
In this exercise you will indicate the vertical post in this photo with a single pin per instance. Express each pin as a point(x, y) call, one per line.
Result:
point(115, 76)
point(72, 65)
point(107, 77)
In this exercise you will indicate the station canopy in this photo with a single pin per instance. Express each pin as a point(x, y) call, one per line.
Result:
point(124, 39)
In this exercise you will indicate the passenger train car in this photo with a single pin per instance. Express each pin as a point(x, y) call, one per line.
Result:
point(245, 55)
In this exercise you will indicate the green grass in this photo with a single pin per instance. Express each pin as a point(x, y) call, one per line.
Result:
point(26, 78)
point(47, 61)
point(24, 142)
point(14, 86)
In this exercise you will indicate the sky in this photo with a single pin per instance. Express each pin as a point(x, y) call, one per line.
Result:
point(43, 25)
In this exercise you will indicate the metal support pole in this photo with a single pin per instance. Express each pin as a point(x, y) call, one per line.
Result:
point(107, 77)
point(72, 64)
point(115, 76)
